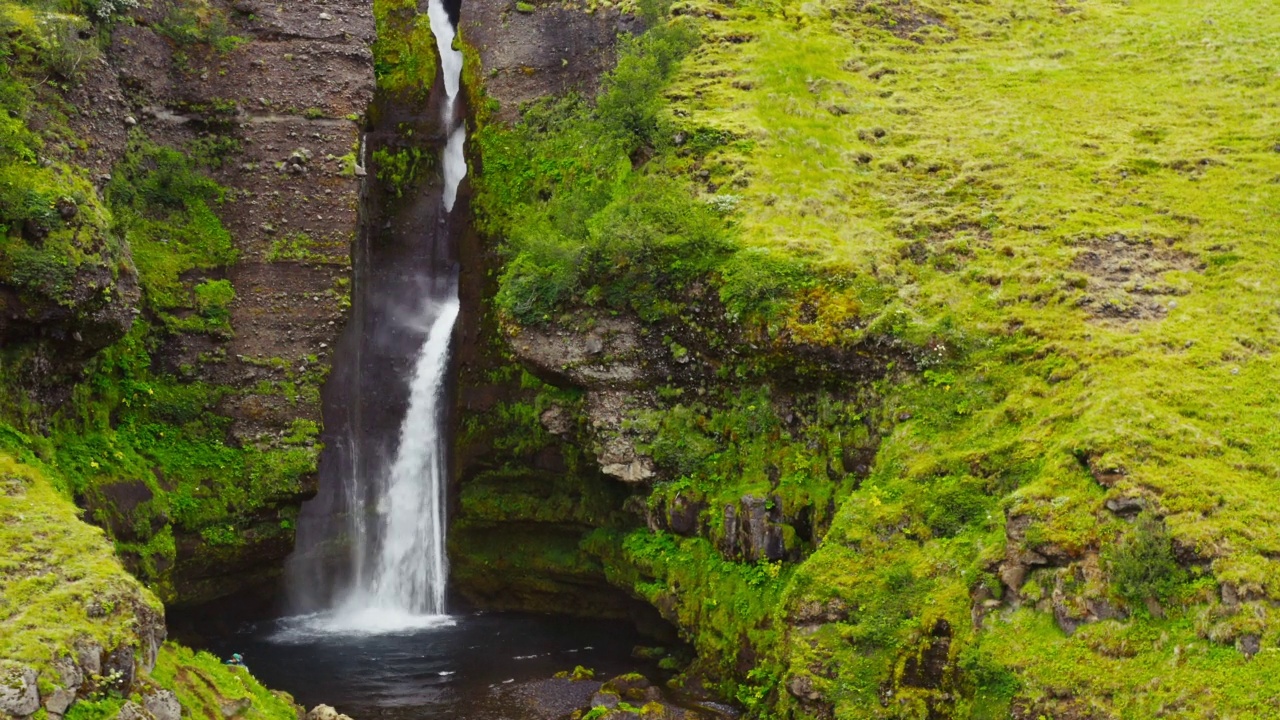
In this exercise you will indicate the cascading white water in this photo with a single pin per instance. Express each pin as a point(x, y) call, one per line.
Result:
point(400, 569)
point(450, 59)
point(454, 159)
point(405, 586)
point(455, 165)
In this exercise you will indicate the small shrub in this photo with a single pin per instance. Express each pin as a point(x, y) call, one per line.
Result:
point(213, 298)
point(1142, 563)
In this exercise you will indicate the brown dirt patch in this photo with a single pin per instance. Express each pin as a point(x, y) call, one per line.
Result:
point(903, 18)
point(1125, 277)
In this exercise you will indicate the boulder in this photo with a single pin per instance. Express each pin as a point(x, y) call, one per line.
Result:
point(19, 696)
point(322, 712)
point(683, 514)
point(69, 672)
point(121, 662)
point(89, 657)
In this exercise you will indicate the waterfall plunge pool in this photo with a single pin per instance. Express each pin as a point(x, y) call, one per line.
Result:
point(451, 670)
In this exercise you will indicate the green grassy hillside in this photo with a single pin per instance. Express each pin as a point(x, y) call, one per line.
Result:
point(1063, 216)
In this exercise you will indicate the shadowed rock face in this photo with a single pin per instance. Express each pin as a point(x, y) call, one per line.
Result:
point(284, 179)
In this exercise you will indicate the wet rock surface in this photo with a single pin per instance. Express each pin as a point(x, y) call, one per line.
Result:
point(564, 698)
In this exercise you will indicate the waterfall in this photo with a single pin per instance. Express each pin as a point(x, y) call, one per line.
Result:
point(394, 517)
point(405, 587)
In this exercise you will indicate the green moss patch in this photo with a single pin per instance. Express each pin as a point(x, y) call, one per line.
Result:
point(59, 580)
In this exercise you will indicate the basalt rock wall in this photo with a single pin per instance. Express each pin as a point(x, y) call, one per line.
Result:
point(245, 118)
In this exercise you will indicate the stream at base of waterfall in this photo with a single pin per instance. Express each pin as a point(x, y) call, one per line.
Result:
point(476, 666)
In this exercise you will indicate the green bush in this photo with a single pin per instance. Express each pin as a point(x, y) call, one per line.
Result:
point(756, 281)
point(161, 202)
point(631, 98)
point(588, 227)
point(1142, 563)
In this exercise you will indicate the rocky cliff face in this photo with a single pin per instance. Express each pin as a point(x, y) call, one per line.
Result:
point(223, 139)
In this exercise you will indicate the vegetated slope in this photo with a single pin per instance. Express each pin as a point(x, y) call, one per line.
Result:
point(1018, 253)
point(81, 637)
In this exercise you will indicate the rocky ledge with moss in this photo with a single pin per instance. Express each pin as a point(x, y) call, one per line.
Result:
point(82, 639)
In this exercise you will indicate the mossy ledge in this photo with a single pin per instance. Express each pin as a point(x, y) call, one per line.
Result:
point(81, 638)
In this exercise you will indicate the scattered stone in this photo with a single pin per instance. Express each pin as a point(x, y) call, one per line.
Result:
point(132, 711)
point(163, 705)
point(325, 16)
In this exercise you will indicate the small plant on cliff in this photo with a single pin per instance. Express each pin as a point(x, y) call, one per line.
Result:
point(103, 9)
point(1142, 562)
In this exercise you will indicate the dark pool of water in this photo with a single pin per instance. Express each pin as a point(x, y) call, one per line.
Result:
point(427, 672)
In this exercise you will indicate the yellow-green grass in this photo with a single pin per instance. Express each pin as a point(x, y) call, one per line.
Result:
point(210, 690)
point(1034, 132)
point(969, 166)
point(60, 580)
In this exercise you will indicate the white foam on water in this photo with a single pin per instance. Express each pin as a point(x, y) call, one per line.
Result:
point(301, 629)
